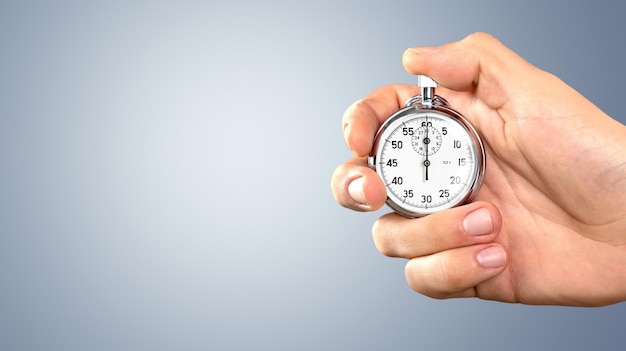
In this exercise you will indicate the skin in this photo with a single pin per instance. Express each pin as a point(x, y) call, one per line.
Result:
point(549, 223)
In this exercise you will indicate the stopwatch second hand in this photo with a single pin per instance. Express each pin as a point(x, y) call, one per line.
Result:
point(426, 162)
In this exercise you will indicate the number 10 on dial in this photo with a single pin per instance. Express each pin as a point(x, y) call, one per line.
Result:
point(428, 155)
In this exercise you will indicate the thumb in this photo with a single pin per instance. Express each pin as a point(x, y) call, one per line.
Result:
point(478, 63)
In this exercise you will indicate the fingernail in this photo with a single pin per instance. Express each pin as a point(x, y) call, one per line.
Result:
point(422, 49)
point(355, 189)
point(491, 257)
point(478, 222)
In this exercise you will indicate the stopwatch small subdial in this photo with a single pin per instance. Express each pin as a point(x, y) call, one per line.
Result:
point(426, 140)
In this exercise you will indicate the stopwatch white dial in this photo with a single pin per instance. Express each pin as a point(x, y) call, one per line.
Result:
point(430, 159)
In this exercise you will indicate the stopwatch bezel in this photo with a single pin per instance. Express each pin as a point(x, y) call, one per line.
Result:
point(442, 108)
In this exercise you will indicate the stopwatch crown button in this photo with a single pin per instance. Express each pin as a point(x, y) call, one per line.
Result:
point(427, 86)
point(426, 82)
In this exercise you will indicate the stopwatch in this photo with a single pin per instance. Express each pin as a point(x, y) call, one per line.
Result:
point(428, 155)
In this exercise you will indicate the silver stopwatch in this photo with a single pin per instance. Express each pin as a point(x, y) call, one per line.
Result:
point(428, 155)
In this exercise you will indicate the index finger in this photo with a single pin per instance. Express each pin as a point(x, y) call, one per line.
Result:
point(363, 118)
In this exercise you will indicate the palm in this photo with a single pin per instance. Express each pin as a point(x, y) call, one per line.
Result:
point(554, 204)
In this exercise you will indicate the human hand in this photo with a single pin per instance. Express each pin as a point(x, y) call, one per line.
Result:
point(549, 223)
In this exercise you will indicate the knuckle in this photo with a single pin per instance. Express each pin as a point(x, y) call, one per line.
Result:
point(349, 113)
point(337, 182)
point(434, 277)
point(479, 37)
point(419, 279)
point(481, 41)
point(387, 238)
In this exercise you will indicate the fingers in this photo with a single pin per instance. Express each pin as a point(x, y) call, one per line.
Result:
point(363, 118)
point(358, 187)
point(354, 184)
point(472, 224)
point(462, 65)
point(450, 252)
point(457, 272)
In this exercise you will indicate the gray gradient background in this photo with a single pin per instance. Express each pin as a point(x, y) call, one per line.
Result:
point(165, 170)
